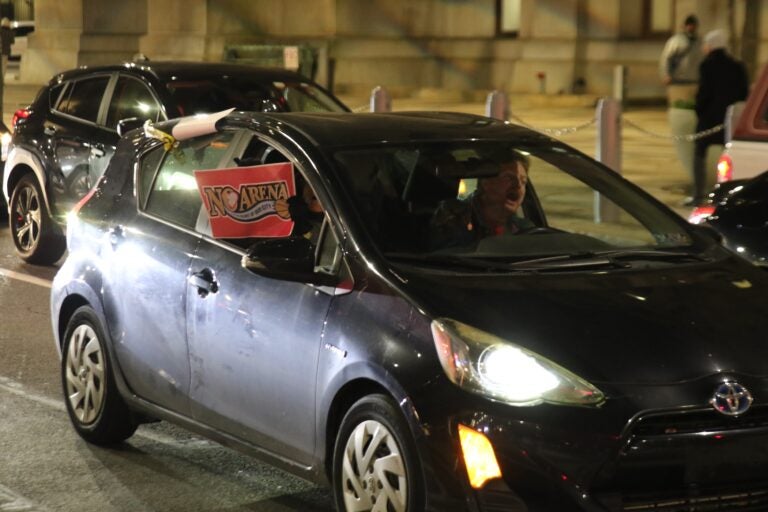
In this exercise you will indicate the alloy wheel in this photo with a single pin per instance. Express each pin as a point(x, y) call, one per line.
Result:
point(27, 213)
point(373, 473)
point(85, 379)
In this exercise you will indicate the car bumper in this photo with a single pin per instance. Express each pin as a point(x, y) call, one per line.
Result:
point(555, 458)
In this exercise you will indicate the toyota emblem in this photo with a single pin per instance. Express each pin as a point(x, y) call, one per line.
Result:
point(731, 399)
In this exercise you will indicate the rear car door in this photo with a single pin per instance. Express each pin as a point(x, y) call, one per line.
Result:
point(152, 251)
point(254, 342)
point(72, 132)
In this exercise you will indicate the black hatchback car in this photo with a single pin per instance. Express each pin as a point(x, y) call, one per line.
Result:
point(63, 141)
point(422, 310)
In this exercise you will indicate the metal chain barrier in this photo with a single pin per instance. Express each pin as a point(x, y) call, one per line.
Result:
point(362, 108)
point(557, 132)
point(690, 137)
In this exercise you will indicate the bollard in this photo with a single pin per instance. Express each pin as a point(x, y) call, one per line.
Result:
point(620, 83)
point(732, 116)
point(497, 106)
point(608, 151)
point(380, 100)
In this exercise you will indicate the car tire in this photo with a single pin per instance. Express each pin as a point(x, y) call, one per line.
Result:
point(36, 238)
point(375, 463)
point(96, 409)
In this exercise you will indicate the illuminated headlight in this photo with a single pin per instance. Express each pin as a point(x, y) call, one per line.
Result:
point(498, 369)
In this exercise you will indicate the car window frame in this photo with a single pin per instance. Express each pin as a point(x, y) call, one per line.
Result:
point(109, 94)
point(67, 89)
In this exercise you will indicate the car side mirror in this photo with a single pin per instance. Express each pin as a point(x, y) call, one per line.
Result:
point(289, 259)
point(128, 124)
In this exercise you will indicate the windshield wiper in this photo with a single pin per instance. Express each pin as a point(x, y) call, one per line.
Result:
point(615, 257)
point(453, 260)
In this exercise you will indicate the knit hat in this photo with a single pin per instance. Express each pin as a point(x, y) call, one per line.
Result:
point(716, 39)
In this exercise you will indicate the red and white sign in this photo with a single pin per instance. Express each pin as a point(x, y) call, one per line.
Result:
point(245, 202)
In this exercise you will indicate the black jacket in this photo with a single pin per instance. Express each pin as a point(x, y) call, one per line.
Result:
point(722, 81)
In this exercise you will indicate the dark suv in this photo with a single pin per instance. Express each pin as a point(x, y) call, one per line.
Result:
point(63, 142)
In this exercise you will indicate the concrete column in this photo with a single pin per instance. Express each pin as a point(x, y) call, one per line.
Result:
point(55, 44)
point(176, 30)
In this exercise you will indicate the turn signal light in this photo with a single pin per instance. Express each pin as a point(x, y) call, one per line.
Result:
point(724, 169)
point(479, 457)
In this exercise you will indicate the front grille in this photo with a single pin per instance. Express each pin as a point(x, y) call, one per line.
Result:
point(706, 420)
point(753, 500)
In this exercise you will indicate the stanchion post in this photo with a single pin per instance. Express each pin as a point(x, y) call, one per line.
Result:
point(497, 106)
point(608, 151)
point(380, 100)
point(620, 83)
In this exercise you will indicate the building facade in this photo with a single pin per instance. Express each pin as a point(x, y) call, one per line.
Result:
point(519, 46)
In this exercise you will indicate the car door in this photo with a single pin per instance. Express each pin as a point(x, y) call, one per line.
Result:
point(253, 344)
point(152, 251)
point(71, 130)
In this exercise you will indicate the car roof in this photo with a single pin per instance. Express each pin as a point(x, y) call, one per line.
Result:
point(399, 127)
point(183, 70)
point(327, 129)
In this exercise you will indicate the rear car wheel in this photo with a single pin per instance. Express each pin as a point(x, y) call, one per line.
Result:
point(95, 407)
point(375, 466)
point(34, 235)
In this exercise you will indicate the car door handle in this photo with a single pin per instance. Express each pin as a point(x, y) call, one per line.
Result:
point(97, 151)
point(205, 282)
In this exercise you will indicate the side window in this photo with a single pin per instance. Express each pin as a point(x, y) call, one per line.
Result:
point(173, 193)
point(83, 98)
point(147, 171)
point(131, 99)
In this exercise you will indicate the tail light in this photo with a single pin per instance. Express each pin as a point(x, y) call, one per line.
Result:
point(701, 213)
point(724, 168)
point(22, 113)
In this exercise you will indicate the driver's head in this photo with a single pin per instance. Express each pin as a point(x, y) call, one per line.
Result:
point(507, 188)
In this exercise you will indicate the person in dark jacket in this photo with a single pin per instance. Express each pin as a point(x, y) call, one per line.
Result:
point(722, 82)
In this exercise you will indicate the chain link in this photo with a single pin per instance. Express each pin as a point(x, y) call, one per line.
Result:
point(689, 137)
point(557, 132)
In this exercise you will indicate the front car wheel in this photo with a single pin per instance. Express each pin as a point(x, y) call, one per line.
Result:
point(375, 467)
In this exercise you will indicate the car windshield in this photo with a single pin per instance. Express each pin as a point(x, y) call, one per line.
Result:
point(500, 200)
point(213, 95)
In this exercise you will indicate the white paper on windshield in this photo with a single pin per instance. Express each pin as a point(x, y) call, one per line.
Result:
point(198, 125)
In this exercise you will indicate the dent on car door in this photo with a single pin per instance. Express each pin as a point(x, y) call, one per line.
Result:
point(254, 340)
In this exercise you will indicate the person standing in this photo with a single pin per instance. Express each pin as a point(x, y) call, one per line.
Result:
point(722, 82)
point(679, 62)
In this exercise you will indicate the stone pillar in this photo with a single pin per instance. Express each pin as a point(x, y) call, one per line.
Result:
point(176, 30)
point(71, 33)
point(55, 43)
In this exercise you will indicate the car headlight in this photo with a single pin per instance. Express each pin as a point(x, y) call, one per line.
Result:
point(498, 369)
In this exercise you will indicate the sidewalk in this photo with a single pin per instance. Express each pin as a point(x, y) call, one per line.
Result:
point(650, 162)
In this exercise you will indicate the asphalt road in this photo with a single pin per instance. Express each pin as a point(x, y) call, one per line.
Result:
point(45, 466)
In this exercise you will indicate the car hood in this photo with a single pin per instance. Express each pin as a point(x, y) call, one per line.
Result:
point(659, 326)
